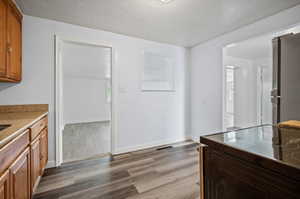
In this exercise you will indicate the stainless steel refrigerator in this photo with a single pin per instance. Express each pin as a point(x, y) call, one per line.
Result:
point(285, 95)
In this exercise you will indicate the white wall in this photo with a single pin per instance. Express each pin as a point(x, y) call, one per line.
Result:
point(206, 70)
point(144, 118)
point(85, 78)
point(267, 76)
point(245, 95)
point(206, 90)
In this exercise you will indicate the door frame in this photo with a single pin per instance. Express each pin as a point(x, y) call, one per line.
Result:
point(59, 94)
point(225, 68)
point(259, 94)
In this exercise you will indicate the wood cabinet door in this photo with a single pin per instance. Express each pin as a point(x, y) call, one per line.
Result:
point(20, 177)
point(5, 186)
point(227, 177)
point(44, 149)
point(14, 41)
point(35, 162)
point(3, 11)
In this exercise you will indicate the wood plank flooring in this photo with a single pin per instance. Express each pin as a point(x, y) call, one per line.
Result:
point(170, 173)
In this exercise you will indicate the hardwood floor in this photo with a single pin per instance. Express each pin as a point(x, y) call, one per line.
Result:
point(170, 173)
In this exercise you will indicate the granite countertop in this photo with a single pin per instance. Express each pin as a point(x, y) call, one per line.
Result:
point(20, 117)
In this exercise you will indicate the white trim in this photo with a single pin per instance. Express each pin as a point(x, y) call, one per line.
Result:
point(259, 95)
point(87, 121)
point(59, 95)
point(195, 139)
point(223, 90)
point(114, 100)
point(149, 145)
point(58, 142)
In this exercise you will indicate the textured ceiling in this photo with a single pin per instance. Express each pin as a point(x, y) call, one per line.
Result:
point(180, 22)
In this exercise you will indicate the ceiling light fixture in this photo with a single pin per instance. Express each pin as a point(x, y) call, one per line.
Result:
point(166, 1)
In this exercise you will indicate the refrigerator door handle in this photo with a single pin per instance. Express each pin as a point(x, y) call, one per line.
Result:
point(275, 99)
point(274, 92)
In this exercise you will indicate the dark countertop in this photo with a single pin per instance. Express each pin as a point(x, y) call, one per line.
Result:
point(267, 142)
point(20, 118)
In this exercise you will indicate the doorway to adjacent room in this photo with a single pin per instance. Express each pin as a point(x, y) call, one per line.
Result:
point(84, 100)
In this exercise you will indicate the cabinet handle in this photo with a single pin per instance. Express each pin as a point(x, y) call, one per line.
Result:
point(201, 149)
point(9, 48)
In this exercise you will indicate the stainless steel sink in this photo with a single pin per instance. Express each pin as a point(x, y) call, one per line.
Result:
point(4, 126)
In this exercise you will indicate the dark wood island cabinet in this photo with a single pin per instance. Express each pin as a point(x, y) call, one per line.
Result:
point(254, 163)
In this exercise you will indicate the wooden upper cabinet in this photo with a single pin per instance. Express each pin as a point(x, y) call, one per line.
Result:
point(14, 48)
point(20, 177)
point(10, 42)
point(5, 186)
point(3, 11)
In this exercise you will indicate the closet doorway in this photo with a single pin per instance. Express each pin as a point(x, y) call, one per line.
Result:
point(83, 101)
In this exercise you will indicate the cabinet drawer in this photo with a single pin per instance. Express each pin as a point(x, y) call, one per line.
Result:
point(38, 127)
point(11, 151)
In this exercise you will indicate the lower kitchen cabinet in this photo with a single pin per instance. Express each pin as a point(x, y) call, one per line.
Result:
point(227, 177)
point(259, 162)
point(43, 150)
point(5, 186)
point(20, 177)
point(23, 160)
point(35, 163)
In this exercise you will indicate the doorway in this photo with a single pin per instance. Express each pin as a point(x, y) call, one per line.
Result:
point(247, 72)
point(229, 97)
point(83, 101)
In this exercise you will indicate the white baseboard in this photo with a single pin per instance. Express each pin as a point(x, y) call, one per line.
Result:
point(196, 139)
point(147, 145)
point(50, 164)
point(188, 137)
